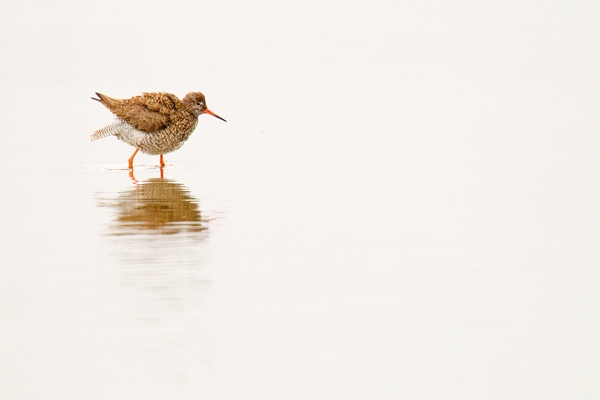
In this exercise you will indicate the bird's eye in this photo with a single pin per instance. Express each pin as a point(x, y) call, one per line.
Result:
point(199, 104)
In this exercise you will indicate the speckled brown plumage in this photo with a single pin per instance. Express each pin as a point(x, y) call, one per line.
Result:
point(155, 123)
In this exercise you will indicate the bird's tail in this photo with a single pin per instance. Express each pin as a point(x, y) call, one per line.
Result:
point(109, 130)
point(100, 99)
point(106, 101)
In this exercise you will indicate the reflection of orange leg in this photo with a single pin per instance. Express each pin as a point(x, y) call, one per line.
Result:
point(162, 162)
point(131, 176)
point(131, 158)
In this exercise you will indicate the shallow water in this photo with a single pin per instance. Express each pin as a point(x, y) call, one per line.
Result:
point(402, 205)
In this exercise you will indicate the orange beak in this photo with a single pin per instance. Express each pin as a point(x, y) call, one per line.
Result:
point(207, 111)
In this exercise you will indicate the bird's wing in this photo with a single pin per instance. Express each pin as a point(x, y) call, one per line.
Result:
point(149, 112)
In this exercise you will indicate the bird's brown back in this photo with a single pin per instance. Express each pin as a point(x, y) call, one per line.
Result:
point(149, 112)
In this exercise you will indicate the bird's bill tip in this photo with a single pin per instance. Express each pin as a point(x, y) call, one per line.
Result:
point(207, 111)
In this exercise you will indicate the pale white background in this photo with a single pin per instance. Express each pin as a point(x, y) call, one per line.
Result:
point(403, 203)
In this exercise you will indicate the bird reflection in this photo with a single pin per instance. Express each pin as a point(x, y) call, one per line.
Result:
point(156, 205)
point(157, 235)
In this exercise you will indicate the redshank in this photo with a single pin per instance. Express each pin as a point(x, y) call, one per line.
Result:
point(155, 123)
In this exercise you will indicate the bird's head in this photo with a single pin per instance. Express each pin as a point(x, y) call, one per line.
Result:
point(197, 104)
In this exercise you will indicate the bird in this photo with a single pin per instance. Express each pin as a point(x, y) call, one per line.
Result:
point(155, 123)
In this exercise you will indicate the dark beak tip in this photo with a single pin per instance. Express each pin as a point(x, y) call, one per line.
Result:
point(207, 111)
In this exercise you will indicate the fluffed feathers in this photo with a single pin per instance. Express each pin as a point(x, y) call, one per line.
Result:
point(149, 112)
point(109, 130)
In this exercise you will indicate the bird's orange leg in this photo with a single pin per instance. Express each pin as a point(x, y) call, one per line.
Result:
point(131, 158)
point(162, 162)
